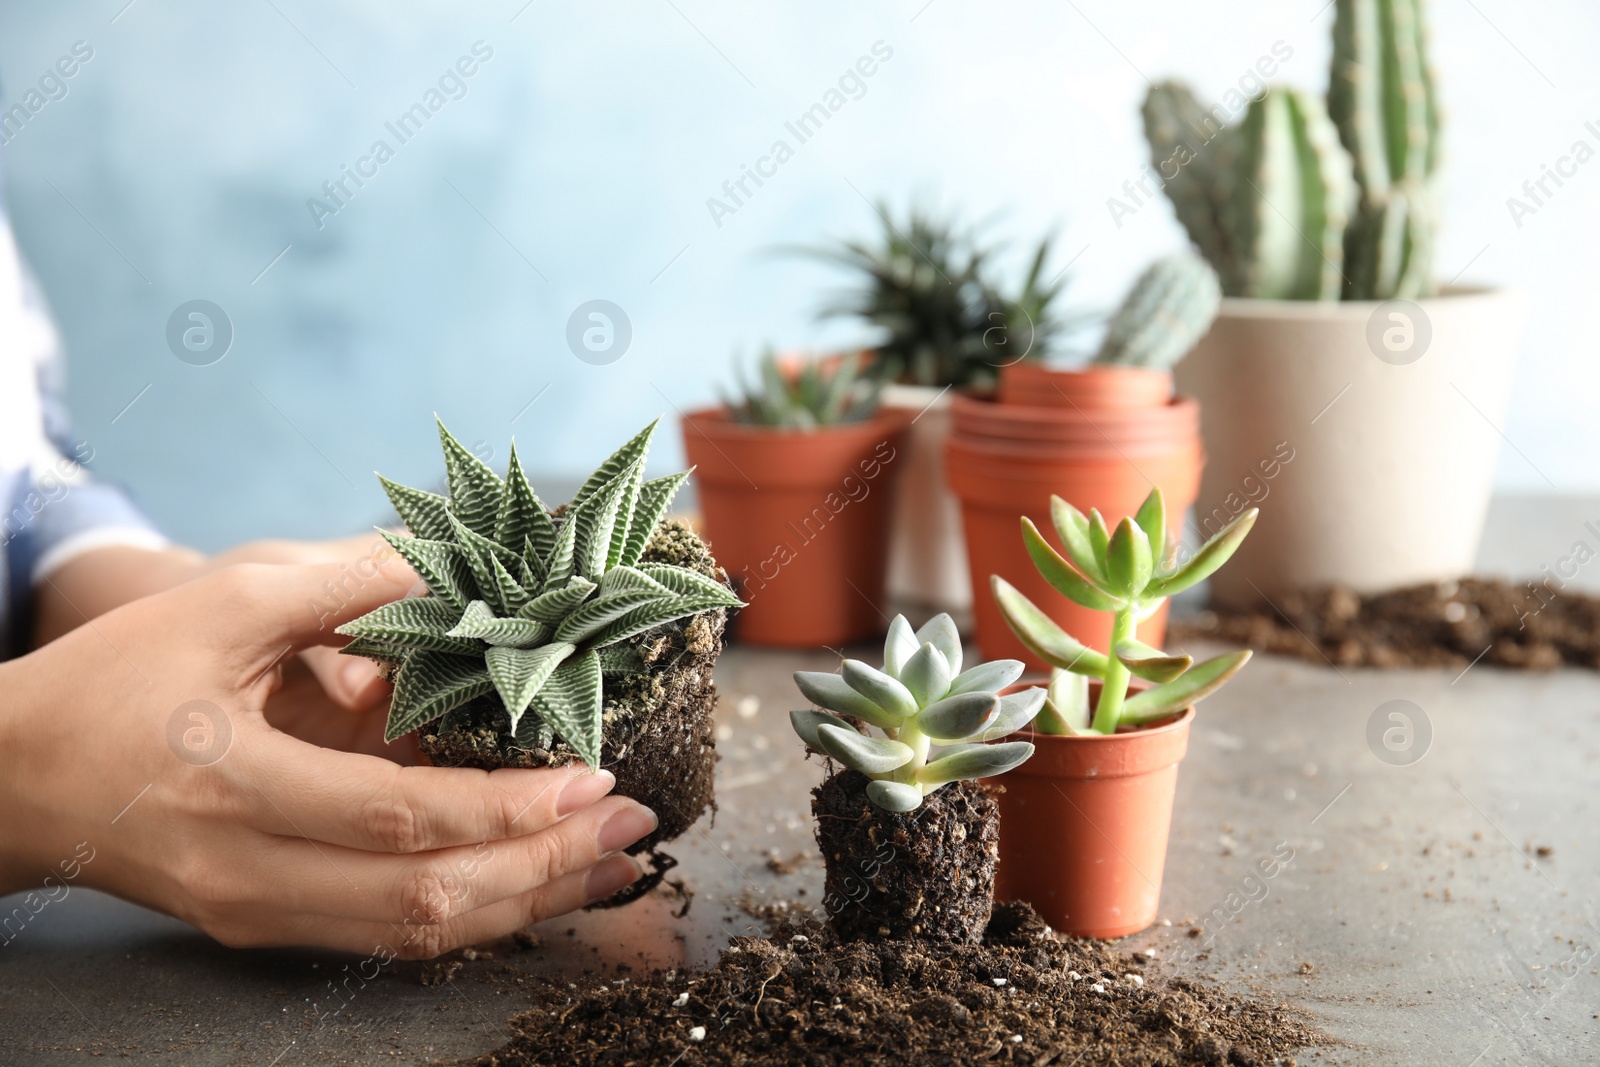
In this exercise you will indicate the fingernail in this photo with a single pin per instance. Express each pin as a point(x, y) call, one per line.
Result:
point(356, 675)
point(584, 790)
point(626, 827)
point(610, 875)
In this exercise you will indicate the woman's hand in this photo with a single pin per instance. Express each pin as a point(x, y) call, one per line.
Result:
point(143, 740)
point(96, 582)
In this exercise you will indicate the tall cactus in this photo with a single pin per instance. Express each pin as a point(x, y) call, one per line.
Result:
point(1382, 98)
point(1292, 206)
point(1196, 164)
point(1169, 308)
point(1271, 203)
point(1266, 201)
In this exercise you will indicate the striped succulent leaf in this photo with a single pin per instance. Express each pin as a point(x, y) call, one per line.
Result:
point(571, 701)
point(522, 599)
point(654, 496)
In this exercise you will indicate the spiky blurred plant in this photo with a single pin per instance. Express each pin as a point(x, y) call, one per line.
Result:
point(814, 393)
point(1130, 572)
point(928, 285)
point(919, 698)
point(523, 602)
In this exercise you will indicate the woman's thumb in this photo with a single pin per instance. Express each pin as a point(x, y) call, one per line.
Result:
point(300, 606)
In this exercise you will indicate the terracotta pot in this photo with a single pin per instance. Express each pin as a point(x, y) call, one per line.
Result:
point(999, 483)
point(800, 521)
point(1084, 825)
point(1090, 388)
point(928, 554)
point(1368, 441)
point(978, 417)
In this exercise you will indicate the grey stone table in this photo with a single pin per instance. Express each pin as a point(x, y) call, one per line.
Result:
point(1438, 909)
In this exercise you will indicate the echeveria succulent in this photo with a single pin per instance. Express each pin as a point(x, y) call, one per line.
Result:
point(918, 699)
point(1129, 571)
point(523, 601)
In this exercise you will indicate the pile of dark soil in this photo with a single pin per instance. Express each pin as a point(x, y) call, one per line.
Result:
point(802, 997)
point(1449, 624)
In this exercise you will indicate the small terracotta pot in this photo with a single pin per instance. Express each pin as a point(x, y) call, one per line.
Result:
point(1084, 826)
point(800, 522)
point(1091, 388)
point(977, 417)
point(998, 483)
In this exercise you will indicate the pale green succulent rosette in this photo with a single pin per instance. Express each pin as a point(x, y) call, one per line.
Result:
point(936, 720)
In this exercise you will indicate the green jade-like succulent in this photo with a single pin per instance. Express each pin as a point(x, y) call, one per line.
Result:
point(525, 603)
point(1128, 571)
point(920, 698)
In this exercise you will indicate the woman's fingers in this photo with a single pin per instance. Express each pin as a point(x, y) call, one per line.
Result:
point(413, 940)
point(352, 682)
point(285, 786)
point(436, 887)
point(345, 549)
point(257, 613)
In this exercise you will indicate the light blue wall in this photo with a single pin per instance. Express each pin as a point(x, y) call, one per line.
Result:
point(180, 162)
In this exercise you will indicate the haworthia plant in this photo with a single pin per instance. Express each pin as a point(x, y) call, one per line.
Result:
point(920, 698)
point(1169, 308)
point(1302, 202)
point(1129, 572)
point(523, 602)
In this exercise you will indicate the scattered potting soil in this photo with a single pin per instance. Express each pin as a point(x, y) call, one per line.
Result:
point(926, 873)
point(1445, 624)
point(803, 997)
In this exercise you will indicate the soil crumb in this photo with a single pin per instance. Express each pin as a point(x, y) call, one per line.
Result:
point(1021, 996)
point(1448, 624)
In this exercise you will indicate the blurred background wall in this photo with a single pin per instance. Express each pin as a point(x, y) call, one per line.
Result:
point(575, 163)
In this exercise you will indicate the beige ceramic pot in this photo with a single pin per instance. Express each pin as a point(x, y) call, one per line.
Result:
point(1365, 432)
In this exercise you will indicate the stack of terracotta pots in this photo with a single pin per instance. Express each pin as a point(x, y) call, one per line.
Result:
point(1099, 437)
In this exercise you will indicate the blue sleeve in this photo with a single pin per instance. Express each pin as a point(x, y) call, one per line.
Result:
point(53, 510)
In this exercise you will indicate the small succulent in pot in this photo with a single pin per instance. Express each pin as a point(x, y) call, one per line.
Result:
point(1129, 572)
point(928, 285)
point(806, 395)
point(586, 632)
point(907, 832)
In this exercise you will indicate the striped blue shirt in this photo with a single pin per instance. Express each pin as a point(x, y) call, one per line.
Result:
point(51, 510)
